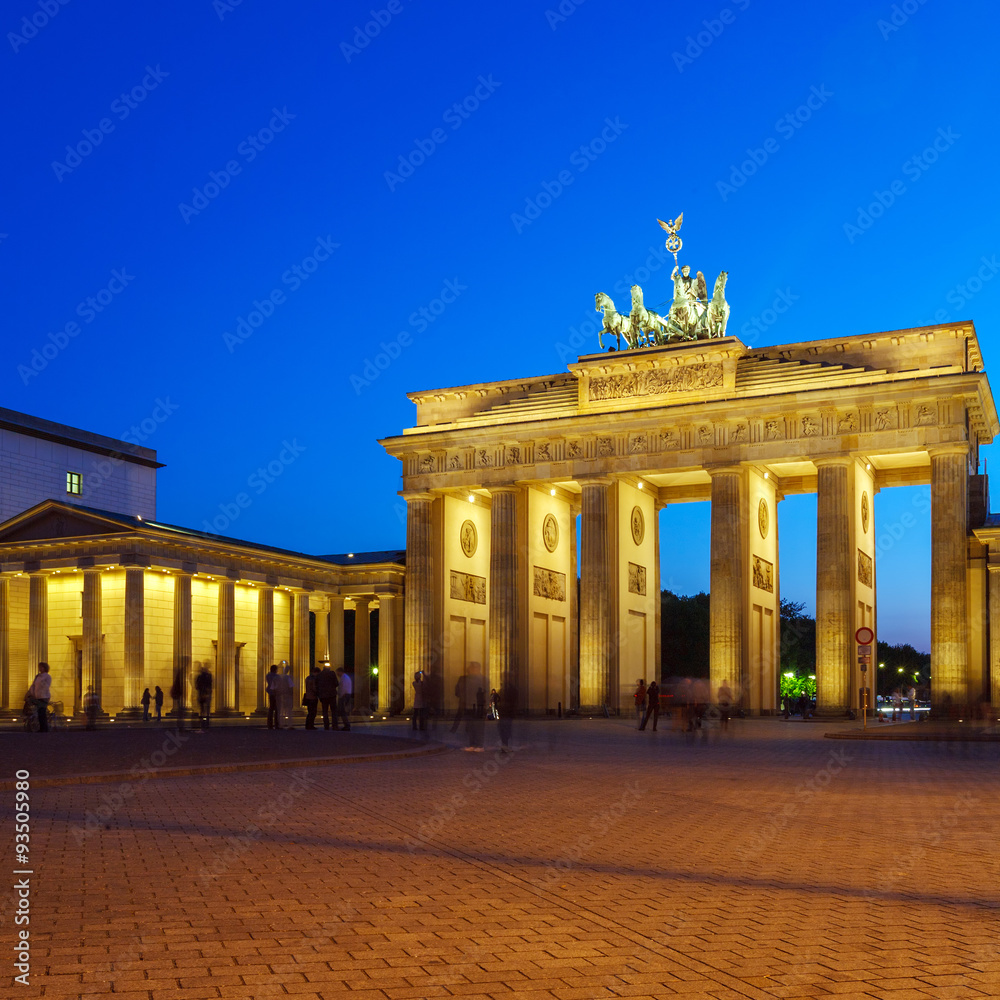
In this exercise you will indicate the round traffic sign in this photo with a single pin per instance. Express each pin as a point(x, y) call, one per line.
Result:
point(864, 635)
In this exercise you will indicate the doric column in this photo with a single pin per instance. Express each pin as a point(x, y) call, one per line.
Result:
point(595, 596)
point(5, 643)
point(182, 632)
point(419, 585)
point(322, 646)
point(336, 631)
point(726, 583)
point(362, 656)
point(658, 614)
point(300, 647)
point(388, 682)
point(949, 623)
point(834, 592)
point(135, 637)
point(93, 630)
point(265, 640)
point(224, 693)
point(504, 666)
point(38, 622)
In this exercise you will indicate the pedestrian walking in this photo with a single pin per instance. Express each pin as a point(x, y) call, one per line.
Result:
point(640, 701)
point(326, 689)
point(460, 686)
point(475, 698)
point(652, 705)
point(91, 706)
point(345, 701)
point(725, 700)
point(203, 685)
point(419, 707)
point(178, 694)
point(158, 702)
point(41, 691)
point(311, 698)
point(507, 708)
point(272, 688)
point(911, 697)
point(287, 699)
point(144, 701)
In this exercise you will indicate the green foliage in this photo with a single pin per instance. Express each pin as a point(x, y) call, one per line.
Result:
point(916, 669)
point(684, 634)
point(795, 687)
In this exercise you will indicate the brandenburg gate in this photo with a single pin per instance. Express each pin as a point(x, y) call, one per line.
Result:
point(495, 474)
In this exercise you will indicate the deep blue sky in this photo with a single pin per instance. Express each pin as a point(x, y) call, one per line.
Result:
point(347, 117)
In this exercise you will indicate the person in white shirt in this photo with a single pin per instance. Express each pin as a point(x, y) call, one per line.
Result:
point(346, 699)
point(40, 690)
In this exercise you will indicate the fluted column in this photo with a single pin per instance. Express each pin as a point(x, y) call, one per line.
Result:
point(388, 682)
point(38, 622)
point(362, 655)
point(135, 637)
point(300, 647)
point(419, 587)
point(726, 583)
point(595, 596)
point(93, 629)
point(504, 667)
point(949, 623)
point(835, 571)
point(5, 642)
point(322, 637)
point(658, 614)
point(336, 631)
point(265, 641)
point(225, 668)
point(182, 632)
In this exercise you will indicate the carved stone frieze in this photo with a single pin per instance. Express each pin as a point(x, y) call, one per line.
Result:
point(810, 427)
point(865, 569)
point(774, 430)
point(542, 453)
point(847, 423)
point(669, 439)
point(637, 444)
point(763, 574)
point(925, 415)
point(738, 434)
point(484, 459)
point(636, 579)
point(659, 381)
point(466, 587)
point(605, 447)
point(550, 584)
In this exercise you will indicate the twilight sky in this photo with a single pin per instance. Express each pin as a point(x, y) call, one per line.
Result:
point(455, 182)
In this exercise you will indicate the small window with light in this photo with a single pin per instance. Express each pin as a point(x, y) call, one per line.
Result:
point(74, 483)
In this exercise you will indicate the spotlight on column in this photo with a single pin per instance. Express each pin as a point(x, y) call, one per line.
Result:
point(868, 467)
point(472, 498)
point(641, 484)
point(552, 493)
point(767, 475)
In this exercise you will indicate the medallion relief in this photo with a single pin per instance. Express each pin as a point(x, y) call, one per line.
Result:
point(865, 512)
point(550, 532)
point(638, 526)
point(763, 518)
point(469, 538)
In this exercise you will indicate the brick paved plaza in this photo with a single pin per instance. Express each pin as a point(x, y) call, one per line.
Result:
point(594, 861)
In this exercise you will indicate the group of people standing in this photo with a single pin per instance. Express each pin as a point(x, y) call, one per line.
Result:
point(324, 686)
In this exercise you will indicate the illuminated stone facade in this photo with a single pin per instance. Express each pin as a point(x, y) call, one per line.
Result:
point(620, 435)
point(122, 603)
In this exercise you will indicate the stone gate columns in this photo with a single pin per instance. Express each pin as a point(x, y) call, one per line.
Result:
point(725, 635)
point(300, 645)
point(38, 622)
point(93, 630)
point(362, 655)
point(265, 641)
point(135, 637)
point(504, 666)
point(949, 623)
point(389, 685)
point(834, 577)
point(419, 586)
point(182, 632)
point(336, 631)
point(225, 679)
point(595, 595)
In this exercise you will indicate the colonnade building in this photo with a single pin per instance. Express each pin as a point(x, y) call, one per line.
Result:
point(495, 475)
point(121, 603)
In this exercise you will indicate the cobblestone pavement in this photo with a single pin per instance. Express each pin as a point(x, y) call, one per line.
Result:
point(593, 861)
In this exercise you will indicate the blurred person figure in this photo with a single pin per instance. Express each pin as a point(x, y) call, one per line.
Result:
point(286, 691)
point(272, 687)
point(91, 706)
point(40, 692)
point(653, 705)
point(911, 697)
point(311, 698)
point(158, 702)
point(203, 685)
point(346, 700)
point(725, 704)
point(475, 701)
point(144, 701)
point(419, 706)
point(461, 686)
point(494, 704)
point(508, 706)
point(178, 694)
point(326, 689)
point(640, 701)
